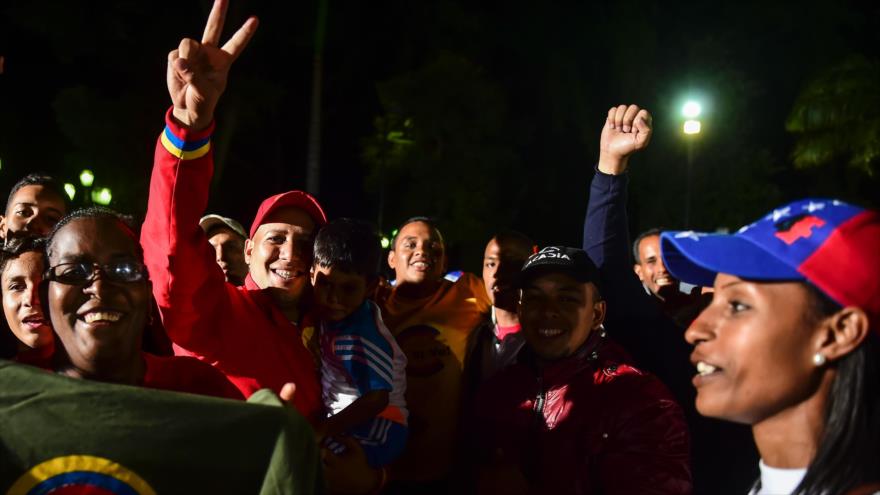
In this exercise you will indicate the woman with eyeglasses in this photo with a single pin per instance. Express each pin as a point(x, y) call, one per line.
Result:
point(790, 341)
point(97, 293)
point(22, 263)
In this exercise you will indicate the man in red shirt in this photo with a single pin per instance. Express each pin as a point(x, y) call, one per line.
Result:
point(250, 333)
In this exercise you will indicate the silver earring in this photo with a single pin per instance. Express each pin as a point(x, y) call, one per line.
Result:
point(819, 359)
point(602, 330)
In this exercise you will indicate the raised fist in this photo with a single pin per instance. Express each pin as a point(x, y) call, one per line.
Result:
point(627, 130)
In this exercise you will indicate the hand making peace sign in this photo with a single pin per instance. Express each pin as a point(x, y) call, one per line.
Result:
point(197, 72)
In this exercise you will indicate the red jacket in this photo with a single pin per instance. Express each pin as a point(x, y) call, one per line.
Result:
point(186, 374)
point(589, 424)
point(239, 330)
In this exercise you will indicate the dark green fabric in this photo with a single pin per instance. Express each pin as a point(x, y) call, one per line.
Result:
point(178, 443)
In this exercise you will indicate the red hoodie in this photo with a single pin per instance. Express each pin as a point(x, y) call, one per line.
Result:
point(239, 330)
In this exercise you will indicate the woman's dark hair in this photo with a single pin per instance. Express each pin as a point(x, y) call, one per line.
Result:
point(17, 246)
point(849, 451)
point(95, 212)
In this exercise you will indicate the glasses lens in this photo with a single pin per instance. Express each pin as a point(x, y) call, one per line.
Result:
point(125, 271)
point(72, 273)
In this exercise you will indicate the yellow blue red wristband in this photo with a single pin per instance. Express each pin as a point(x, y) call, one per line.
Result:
point(183, 149)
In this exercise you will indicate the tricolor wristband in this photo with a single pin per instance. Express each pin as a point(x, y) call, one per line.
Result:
point(183, 149)
point(183, 143)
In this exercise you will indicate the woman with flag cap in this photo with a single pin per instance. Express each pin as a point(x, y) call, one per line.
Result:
point(790, 341)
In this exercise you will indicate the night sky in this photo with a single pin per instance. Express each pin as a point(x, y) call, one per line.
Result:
point(505, 102)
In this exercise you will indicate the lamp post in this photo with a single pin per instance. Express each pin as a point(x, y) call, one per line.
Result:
point(102, 196)
point(70, 190)
point(691, 128)
point(87, 178)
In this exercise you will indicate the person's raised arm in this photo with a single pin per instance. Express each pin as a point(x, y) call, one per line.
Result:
point(627, 130)
point(187, 283)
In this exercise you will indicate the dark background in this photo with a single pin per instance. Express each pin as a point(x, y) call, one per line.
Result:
point(501, 104)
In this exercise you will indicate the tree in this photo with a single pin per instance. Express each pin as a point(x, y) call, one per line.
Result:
point(837, 117)
point(442, 147)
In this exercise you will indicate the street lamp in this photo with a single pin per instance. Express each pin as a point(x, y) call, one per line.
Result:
point(691, 127)
point(70, 190)
point(691, 109)
point(86, 178)
point(102, 196)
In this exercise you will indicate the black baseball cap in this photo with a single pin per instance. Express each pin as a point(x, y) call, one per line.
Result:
point(560, 259)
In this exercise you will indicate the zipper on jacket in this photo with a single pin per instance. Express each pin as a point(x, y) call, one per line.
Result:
point(531, 468)
point(538, 408)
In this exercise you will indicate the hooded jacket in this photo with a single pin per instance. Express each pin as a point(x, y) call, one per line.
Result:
point(239, 330)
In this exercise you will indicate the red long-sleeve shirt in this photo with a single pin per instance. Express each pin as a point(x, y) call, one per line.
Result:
point(238, 330)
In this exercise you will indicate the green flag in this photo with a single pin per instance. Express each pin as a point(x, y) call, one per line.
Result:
point(64, 436)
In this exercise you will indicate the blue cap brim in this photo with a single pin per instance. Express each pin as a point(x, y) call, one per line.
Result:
point(696, 258)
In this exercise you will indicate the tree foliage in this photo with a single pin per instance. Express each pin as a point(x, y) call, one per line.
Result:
point(837, 117)
point(442, 147)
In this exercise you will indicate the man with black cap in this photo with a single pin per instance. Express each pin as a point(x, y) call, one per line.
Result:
point(572, 416)
point(250, 333)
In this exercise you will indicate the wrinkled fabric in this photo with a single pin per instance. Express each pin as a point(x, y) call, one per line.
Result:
point(604, 426)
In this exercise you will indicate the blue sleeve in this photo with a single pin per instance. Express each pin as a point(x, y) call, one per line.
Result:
point(364, 352)
point(606, 241)
point(633, 318)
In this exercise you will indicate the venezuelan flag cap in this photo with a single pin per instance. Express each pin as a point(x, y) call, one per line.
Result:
point(831, 244)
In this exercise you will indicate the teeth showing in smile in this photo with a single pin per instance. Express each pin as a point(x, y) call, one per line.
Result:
point(421, 264)
point(286, 274)
point(663, 281)
point(550, 332)
point(705, 369)
point(109, 316)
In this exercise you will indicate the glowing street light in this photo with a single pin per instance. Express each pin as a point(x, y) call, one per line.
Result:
point(385, 242)
point(86, 178)
point(102, 196)
point(70, 190)
point(692, 109)
point(692, 126)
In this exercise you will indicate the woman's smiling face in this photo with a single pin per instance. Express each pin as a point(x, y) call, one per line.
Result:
point(754, 347)
point(99, 320)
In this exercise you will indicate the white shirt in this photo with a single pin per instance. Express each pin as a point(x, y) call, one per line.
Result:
point(778, 481)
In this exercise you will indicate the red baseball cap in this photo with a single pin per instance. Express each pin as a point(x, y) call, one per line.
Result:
point(297, 199)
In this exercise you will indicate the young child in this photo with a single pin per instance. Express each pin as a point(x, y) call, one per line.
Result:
point(362, 368)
